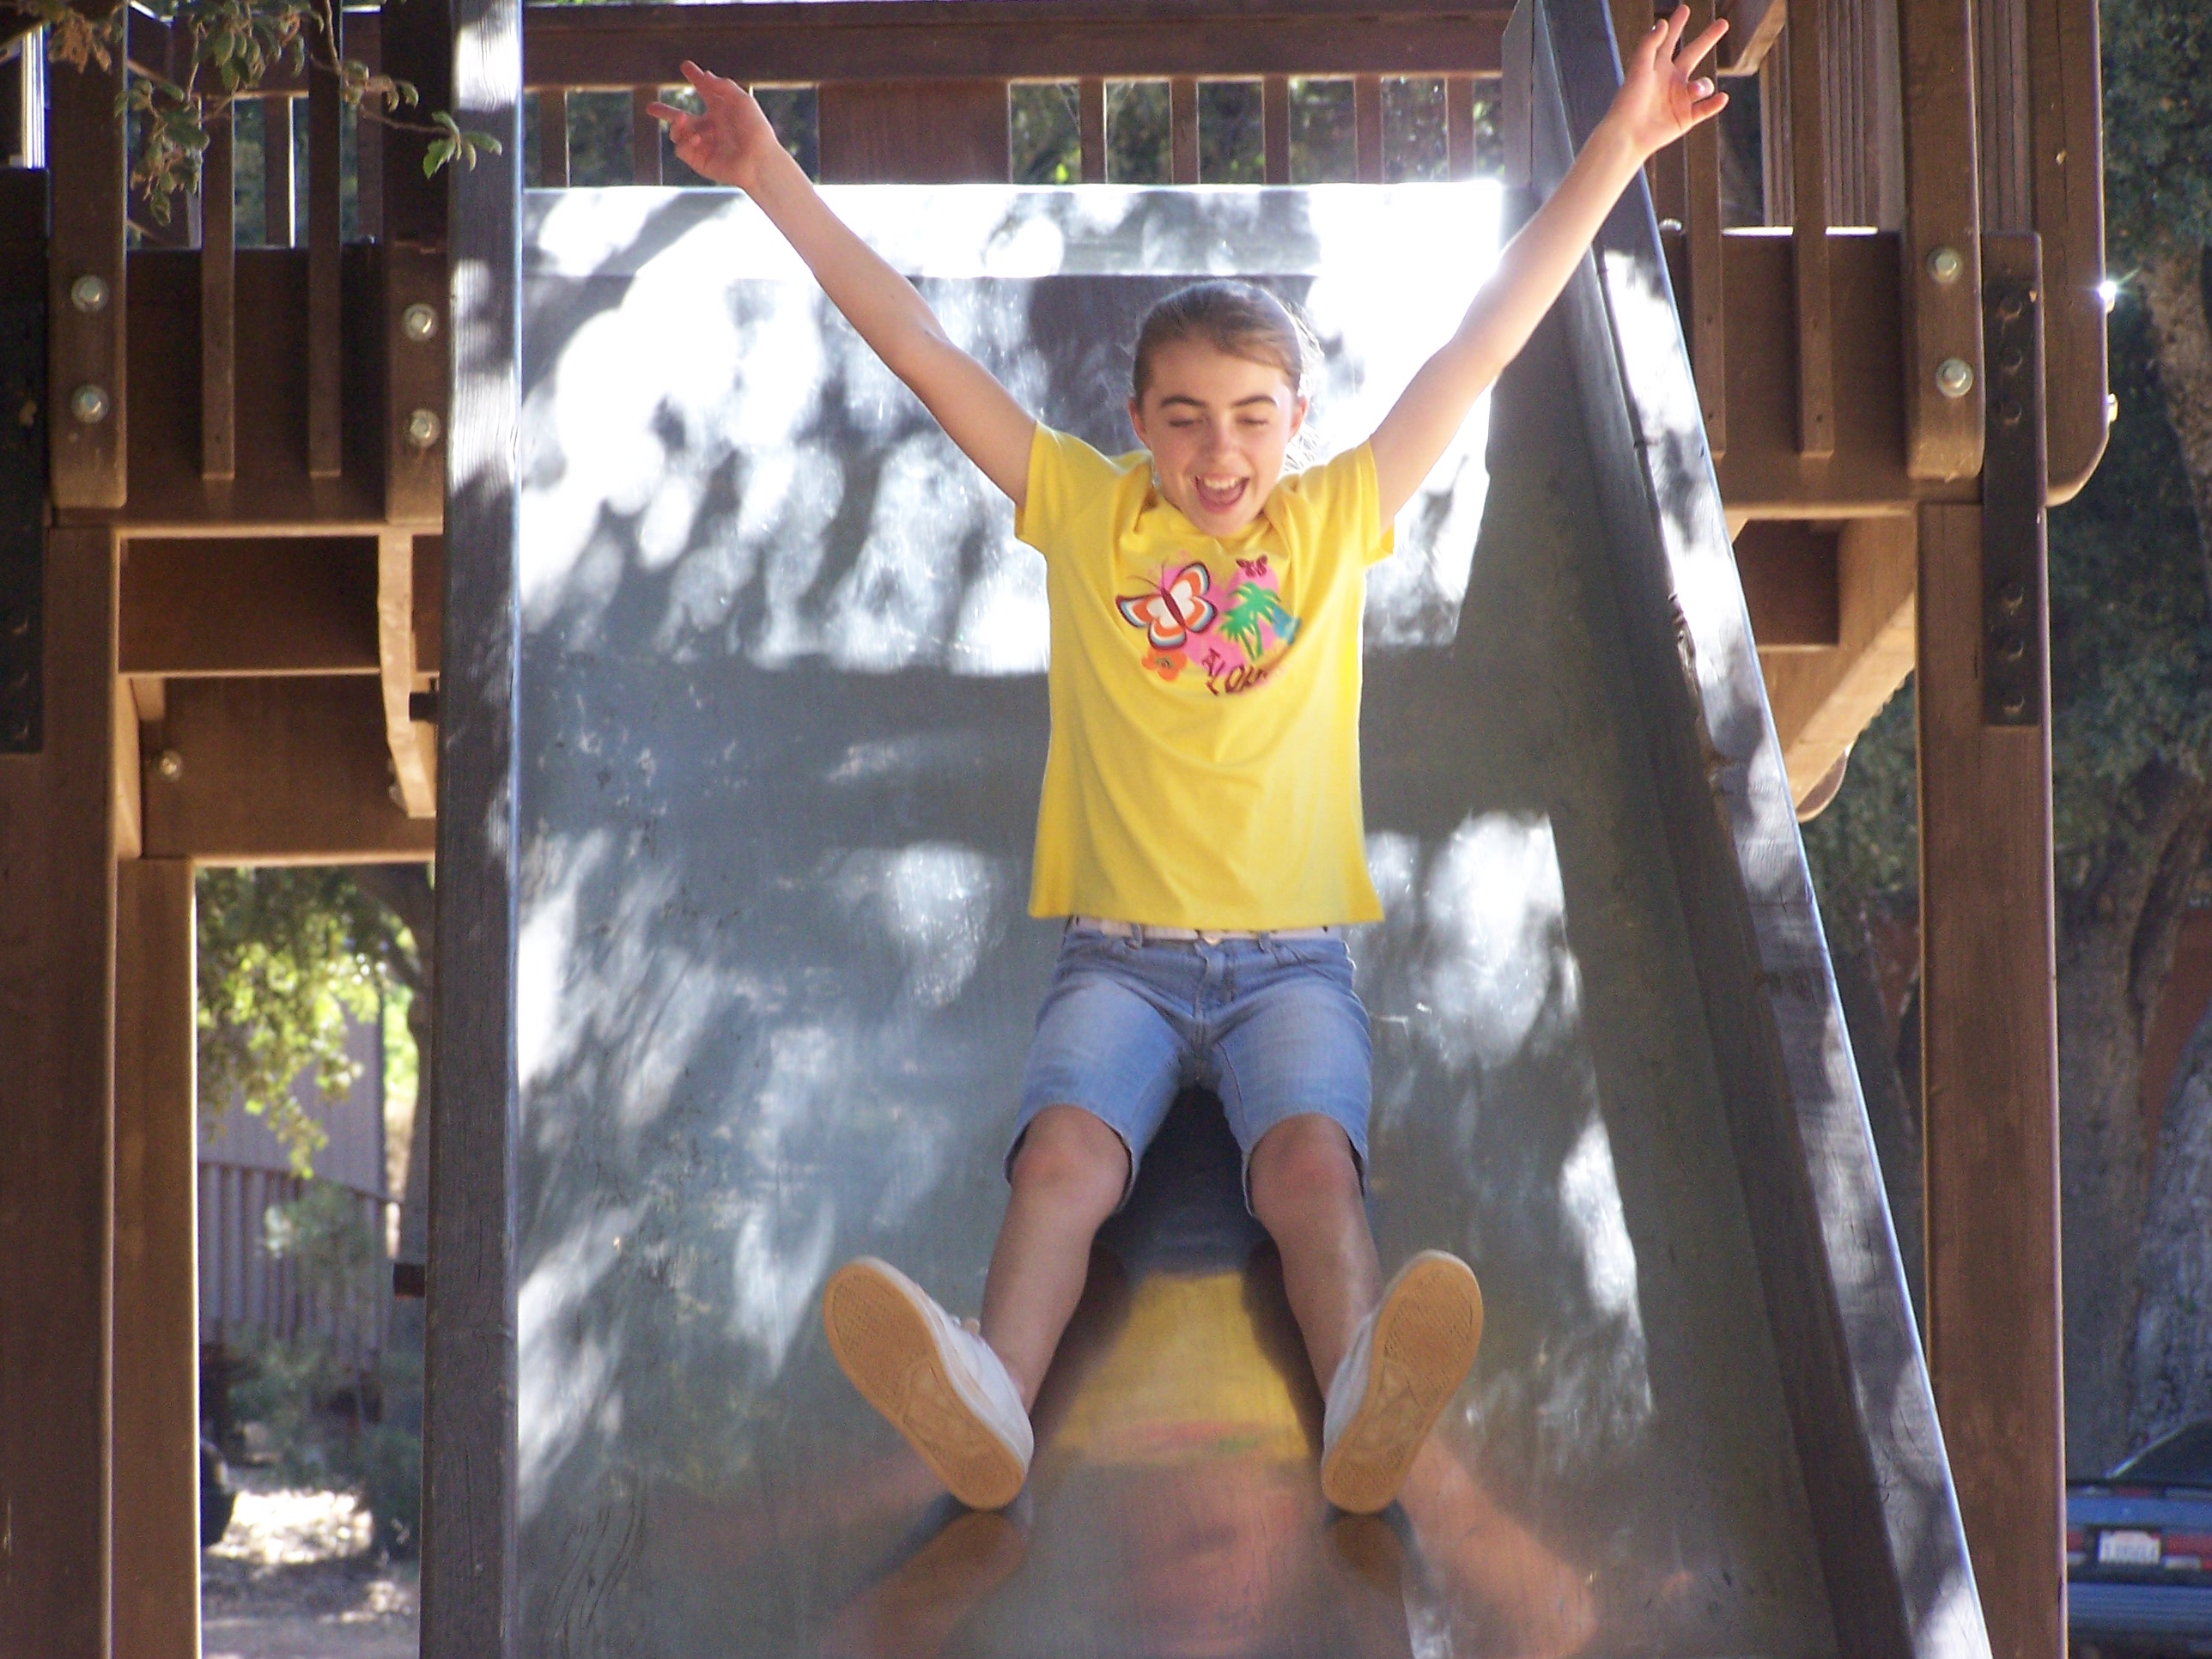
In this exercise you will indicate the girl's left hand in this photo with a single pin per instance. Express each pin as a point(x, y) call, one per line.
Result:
point(1658, 101)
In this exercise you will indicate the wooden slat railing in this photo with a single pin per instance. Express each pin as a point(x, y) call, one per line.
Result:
point(1816, 363)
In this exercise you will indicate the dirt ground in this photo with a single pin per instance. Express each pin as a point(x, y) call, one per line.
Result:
point(294, 1578)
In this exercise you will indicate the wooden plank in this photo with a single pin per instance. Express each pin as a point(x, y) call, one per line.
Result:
point(326, 324)
point(124, 770)
point(812, 41)
point(218, 309)
point(1182, 130)
point(1459, 126)
point(1367, 129)
point(278, 208)
point(418, 47)
point(1708, 329)
point(1754, 27)
point(2001, 108)
point(553, 139)
point(412, 336)
point(1815, 331)
point(279, 771)
point(1091, 118)
point(1939, 257)
point(1275, 130)
point(644, 137)
point(911, 132)
point(156, 1471)
point(216, 607)
point(469, 1579)
point(85, 341)
point(412, 743)
point(56, 1030)
point(2067, 136)
point(1791, 572)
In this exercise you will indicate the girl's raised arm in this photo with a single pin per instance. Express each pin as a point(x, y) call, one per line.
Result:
point(1657, 103)
point(732, 144)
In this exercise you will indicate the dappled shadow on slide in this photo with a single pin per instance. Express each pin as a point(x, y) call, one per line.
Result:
point(782, 721)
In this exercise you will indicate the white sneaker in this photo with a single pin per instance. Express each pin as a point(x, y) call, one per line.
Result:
point(1406, 1360)
point(936, 1383)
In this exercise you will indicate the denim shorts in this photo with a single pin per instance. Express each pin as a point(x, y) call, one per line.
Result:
point(1271, 1025)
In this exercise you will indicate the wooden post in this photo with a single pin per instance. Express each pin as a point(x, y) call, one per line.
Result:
point(85, 335)
point(1989, 1011)
point(1182, 129)
point(156, 1403)
point(1701, 229)
point(326, 315)
point(279, 223)
point(644, 137)
point(57, 1031)
point(1459, 125)
point(470, 1588)
point(911, 132)
point(1090, 115)
point(218, 306)
point(1807, 35)
point(553, 139)
point(1275, 128)
point(1939, 279)
point(1367, 127)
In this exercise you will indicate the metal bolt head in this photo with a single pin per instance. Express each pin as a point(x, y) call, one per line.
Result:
point(1946, 265)
point(89, 293)
point(1954, 377)
point(2012, 360)
point(424, 428)
point(89, 404)
point(419, 323)
point(2014, 706)
point(2012, 648)
point(169, 767)
point(2012, 598)
point(2013, 307)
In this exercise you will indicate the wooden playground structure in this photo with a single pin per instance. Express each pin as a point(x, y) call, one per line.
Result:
point(257, 513)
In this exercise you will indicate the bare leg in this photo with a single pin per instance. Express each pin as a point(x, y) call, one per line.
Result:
point(1305, 1190)
point(1068, 1177)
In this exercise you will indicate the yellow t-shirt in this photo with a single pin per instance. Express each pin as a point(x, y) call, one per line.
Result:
point(1203, 766)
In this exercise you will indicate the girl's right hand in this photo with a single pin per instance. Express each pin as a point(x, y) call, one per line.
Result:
point(726, 141)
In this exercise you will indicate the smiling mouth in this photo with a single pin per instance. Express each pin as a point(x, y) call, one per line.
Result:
point(1218, 495)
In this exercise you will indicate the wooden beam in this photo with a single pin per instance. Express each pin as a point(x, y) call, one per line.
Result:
point(418, 47)
point(86, 338)
point(819, 42)
point(298, 605)
point(1182, 130)
point(411, 338)
point(1702, 228)
point(218, 308)
point(1459, 126)
point(56, 1030)
point(552, 138)
point(1090, 121)
point(2066, 134)
point(1367, 129)
point(128, 795)
point(1815, 331)
point(1792, 582)
point(412, 743)
point(1822, 699)
point(471, 1596)
point(1989, 1049)
point(1754, 27)
point(1939, 256)
point(279, 771)
point(644, 137)
point(156, 1470)
point(911, 132)
point(278, 208)
point(326, 315)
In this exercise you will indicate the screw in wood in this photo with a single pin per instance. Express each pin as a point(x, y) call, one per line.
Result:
point(419, 323)
point(2012, 648)
point(424, 428)
point(89, 404)
point(2012, 598)
point(88, 294)
point(2013, 305)
point(2014, 706)
point(170, 767)
point(1954, 377)
point(1945, 266)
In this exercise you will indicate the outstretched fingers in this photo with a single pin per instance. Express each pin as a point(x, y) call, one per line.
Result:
point(1701, 48)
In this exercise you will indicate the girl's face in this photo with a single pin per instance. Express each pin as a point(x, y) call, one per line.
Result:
point(1217, 427)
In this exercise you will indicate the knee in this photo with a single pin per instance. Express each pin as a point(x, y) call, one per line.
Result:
point(1303, 1162)
point(1074, 1158)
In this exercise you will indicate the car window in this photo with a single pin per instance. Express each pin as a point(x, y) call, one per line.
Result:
point(2183, 1458)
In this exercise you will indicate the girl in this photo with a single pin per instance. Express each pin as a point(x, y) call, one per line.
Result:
point(1200, 824)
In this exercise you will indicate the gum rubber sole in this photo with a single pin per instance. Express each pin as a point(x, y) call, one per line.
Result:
point(883, 1343)
point(1426, 1337)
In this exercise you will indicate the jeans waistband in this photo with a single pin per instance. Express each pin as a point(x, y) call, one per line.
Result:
point(1141, 932)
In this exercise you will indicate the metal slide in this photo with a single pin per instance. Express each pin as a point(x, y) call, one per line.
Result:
point(782, 717)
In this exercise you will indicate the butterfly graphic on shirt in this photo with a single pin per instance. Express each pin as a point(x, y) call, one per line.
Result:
point(1173, 609)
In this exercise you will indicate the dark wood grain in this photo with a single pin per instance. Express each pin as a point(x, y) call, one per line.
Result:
point(1367, 129)
point(1459, 125)
point(218, 309)
point(56, 1030)
point(1816, 341)
point(1708, 325)
point(644, 137)
point(552, 138)
point(470, 1589)
point(416, 44)
point(86, 464)
point(2066, 135)
point(1942, 318)
point(277, 205)
point(912, 132)
point(1988, 1065)
point(326, 323)
point(157, 1340)
point(1182, 130)
point(1090, 118)
point(840, 40)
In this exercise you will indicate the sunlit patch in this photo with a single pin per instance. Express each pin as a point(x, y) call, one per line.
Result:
point(1495, 907)
point(570, 1359)
point(937, 903)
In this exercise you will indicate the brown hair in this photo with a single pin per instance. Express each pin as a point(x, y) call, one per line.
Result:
point(1231, 317)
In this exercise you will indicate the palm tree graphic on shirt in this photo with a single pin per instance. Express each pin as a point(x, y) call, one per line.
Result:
point(1254, 608)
